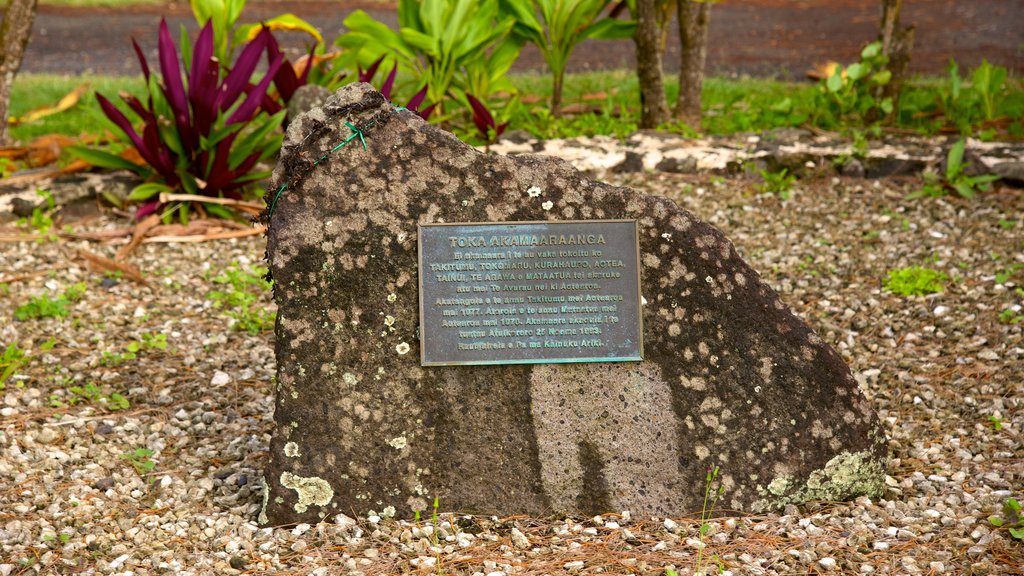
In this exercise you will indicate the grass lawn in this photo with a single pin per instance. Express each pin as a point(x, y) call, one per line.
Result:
point(33, 91)
point(609, 99)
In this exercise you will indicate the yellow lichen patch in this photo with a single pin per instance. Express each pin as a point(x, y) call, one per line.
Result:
point(291, 450)
point(311, 491)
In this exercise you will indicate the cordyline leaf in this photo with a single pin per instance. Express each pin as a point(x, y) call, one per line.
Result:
point(481, 117)
point(147, 209)
point(389, 83)
point(369, 73)
point(204, 107)
point(125, 125)
point(202, 53)
point(425, 113)
point(286, 80)
point(252, 101)
point(174, 90)
point(142, 60)
point(238, 79)
point(417, 99)
point(201, 56)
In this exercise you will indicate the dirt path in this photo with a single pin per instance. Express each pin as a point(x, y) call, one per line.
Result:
point(761, 37)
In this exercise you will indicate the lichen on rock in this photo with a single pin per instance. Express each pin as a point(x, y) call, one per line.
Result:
point(311, 491)
point(730, 376)
point(844, 476)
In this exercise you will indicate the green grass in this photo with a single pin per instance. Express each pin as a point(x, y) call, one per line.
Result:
point(32, 91)
point(730, 105)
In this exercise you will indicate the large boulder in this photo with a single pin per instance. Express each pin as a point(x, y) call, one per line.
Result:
point(731, 378)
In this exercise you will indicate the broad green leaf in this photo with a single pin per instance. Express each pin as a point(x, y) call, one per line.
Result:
point(964, 190)
point(1011, 506)
point(249, 142)
point(956, 156)
point(835, 81)
point(1017, 533)
point(886, 105)
point(611, 29)
point(219, 211)
point(102, 159)
point(995, 521)
point(288, 21)
point(147, 190)
point(784, 106)
point(871, 50)
point(882, 78)
point(856, 71)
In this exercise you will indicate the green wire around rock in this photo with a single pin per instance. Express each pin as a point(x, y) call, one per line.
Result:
point(356, 133)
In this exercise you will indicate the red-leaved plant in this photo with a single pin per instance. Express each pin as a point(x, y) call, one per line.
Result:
point(389, 84)
point(204, 129)
point(484, 120)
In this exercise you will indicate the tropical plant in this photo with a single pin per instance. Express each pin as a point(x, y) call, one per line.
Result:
point(389, 83)
point(484, 121)
point(850, 93)
point(967, 105)
point(556, 27)
point(202, 134)
point(955, 177)
point(440, 42)
point(228, 35)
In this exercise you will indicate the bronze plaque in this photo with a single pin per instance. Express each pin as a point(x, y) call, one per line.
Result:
point(529, 292)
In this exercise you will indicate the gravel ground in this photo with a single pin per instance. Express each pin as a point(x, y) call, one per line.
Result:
point(944, 372)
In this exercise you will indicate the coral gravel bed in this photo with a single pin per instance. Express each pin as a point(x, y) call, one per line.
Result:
point(121, 455)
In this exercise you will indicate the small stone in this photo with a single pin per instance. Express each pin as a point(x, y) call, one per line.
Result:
point(104, 484)
point(827, 563)
point(519, 540)
point(574, 566)
point(880, 545)
point(46, 436)
point(219, 378)
point(238, 563)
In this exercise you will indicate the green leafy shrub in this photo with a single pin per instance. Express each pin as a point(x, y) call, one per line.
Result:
point(556, 27)
point(450, 46)
point(955, 178)
point(141, 459)
point(916, 281)
point(223, 15)
point(779, 183)
point(43, 306)
point(12, 359)
point(202, 134)
point(849, 95)
point(240, 298)
point(90, 393)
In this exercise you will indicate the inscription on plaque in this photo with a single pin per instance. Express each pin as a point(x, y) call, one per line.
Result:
point(529, 292)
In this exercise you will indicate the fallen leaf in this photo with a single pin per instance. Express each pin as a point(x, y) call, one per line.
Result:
point(65, 103)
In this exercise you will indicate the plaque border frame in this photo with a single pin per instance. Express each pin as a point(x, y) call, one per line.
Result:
point(639, 296)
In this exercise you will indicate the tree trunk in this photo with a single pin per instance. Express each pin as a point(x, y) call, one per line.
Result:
point(653, 104)
point(556, 94)
point(694, 21)
point(897, 43)
point(14, 34)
